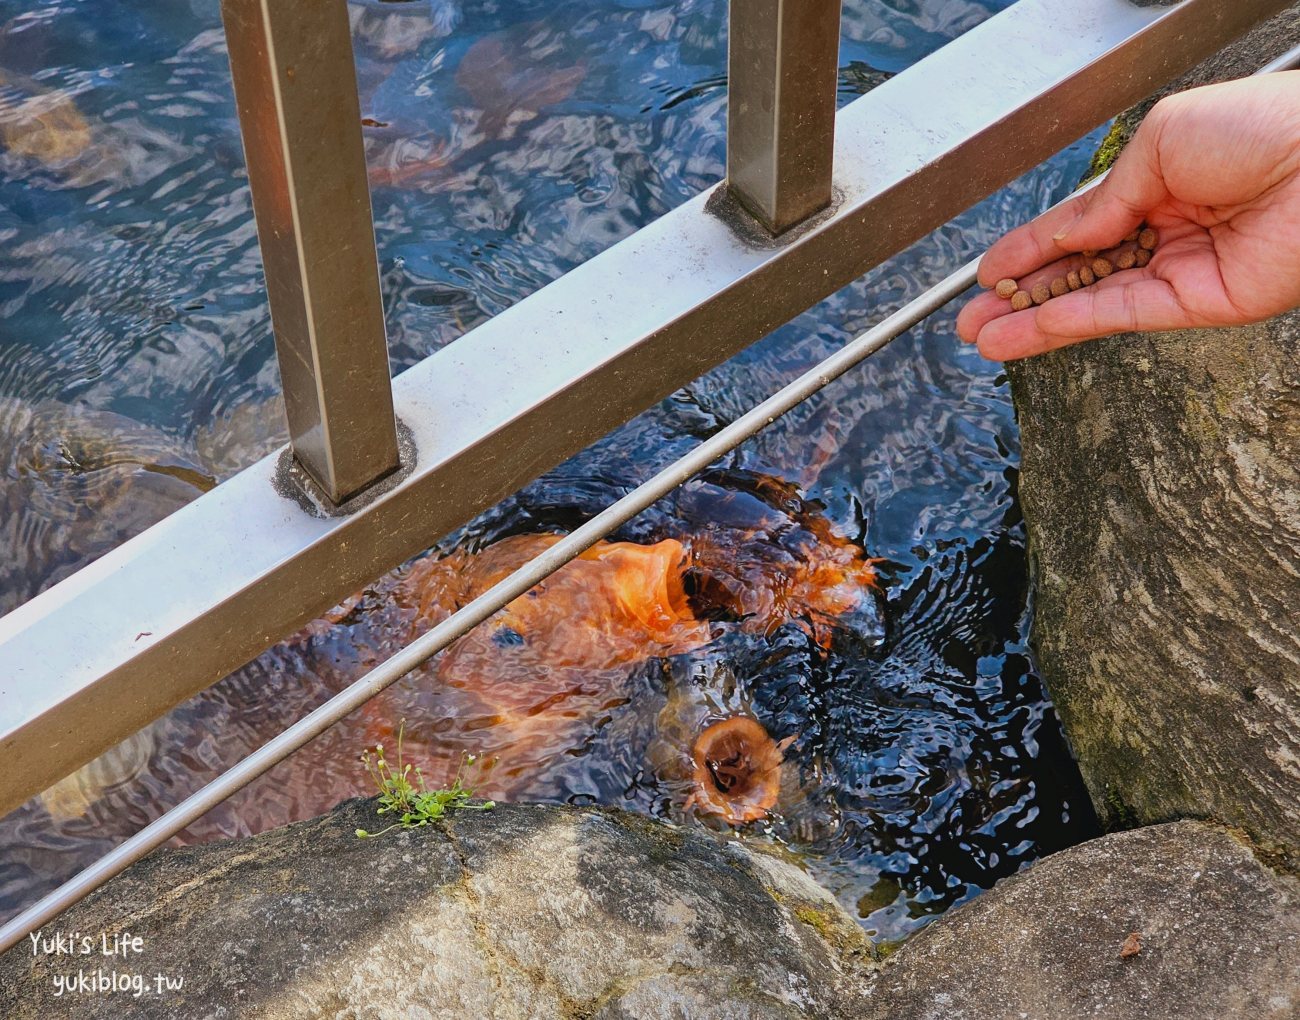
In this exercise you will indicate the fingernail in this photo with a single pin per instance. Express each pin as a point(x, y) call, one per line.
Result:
point(1064, 232)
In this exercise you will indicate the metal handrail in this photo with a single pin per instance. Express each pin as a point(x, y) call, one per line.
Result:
point(300, 119)
point(516, 584)
point(505, 591)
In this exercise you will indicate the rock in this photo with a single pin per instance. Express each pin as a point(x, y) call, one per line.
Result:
point(1159, 483)
point(555, 912)
point(1219, 936)
point(522, 911)
point(1270, 40)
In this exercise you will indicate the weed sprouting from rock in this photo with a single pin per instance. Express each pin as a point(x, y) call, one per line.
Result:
point(411, 801)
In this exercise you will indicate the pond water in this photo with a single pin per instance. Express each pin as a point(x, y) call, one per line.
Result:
point(508, 142)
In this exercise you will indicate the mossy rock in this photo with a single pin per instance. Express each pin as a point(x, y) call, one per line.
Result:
point(519, 912)
point(1158, 482)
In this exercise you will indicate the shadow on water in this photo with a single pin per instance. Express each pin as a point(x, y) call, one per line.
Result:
point(507, 144)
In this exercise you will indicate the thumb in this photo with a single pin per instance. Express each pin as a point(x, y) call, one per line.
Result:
point(1144, 305)
point(1122, 201)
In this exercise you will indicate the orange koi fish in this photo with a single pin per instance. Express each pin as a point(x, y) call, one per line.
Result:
point(523, 686)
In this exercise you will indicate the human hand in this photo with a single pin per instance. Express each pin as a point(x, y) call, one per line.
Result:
point(1216, 172)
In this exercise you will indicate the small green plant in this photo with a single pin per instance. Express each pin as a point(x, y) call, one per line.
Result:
point(414, 803)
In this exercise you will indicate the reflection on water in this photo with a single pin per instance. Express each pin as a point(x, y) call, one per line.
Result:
point(76, 483)
point(913, 757)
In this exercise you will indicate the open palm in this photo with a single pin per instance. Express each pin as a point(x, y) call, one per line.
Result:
point(1216, 171)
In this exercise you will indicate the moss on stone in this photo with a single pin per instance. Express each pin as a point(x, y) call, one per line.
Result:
point(778, 851)
point(888, 947)
point(1111, 146)
point(662, 842)
point(1274, 855)
point(1118, 813)
point(1199, 422)
point(847, 939)
point(814, 918)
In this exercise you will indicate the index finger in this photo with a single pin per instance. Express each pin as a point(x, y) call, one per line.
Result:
point(1032, 245)
point(987, 306)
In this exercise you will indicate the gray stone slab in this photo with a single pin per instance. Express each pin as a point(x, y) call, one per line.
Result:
point(520, 912)
point(1219, 936)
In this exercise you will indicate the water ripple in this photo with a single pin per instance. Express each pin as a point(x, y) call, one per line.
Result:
point(508, 143)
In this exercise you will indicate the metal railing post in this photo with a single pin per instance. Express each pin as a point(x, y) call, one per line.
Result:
point(295, 87)
point(782, 69)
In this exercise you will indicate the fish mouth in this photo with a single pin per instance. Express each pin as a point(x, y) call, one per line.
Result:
point(737, 772)
point(712, 596)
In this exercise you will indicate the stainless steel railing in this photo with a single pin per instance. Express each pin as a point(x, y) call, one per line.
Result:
point(318, 531)
point(175, 609)
point(782, 72)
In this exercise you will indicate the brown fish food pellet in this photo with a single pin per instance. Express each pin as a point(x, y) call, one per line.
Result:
point(1132, 237)
point(1007, 288)
point(1125, 260)
point(1072, 279)
point(1102, 268)
point(1059, 287)
point(1041, 293)
point(1148, 239)
point(1142, 256)
point(1089, 253)
point(1021, 300)
point(1087, 277)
